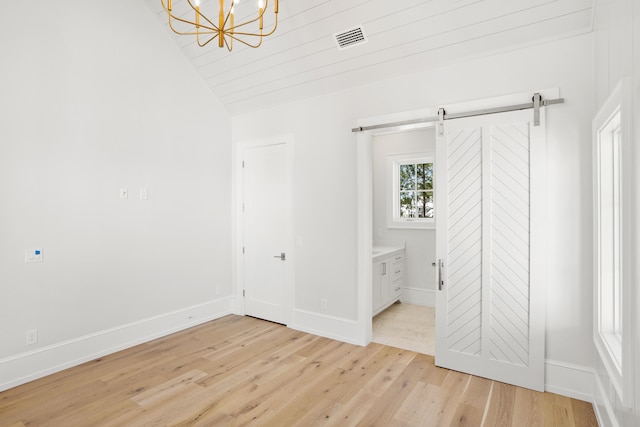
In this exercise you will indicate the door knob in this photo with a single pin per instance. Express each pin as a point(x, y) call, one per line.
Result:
point(282, 256)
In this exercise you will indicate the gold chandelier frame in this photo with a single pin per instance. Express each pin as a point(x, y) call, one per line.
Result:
point(226, 30)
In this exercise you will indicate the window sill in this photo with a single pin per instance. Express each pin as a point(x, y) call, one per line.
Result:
point(412, 225)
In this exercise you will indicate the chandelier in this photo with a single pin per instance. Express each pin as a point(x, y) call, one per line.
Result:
point(190, 20)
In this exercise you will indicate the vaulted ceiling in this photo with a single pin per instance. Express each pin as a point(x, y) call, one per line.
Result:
point(301, 58)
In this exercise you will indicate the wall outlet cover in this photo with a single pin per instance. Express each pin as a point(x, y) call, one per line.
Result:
point(33, 255)
point(31, 336)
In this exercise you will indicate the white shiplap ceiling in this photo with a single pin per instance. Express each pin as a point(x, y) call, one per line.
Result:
point(403, 36)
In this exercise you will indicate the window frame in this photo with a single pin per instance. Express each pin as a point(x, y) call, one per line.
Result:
point(394, 161)
point(613, 293)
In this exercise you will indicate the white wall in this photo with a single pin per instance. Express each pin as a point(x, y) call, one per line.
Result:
point(325, 179)
point(635, 78)
point(324, 197)
point(616, 56)
point(420, 244)
point(95, 96)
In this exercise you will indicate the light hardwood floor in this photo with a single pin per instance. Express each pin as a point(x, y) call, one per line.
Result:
point(244, 371)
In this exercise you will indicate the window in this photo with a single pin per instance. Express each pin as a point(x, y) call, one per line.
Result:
point(609, 250)
point(612, 255)
point(411, 191)
point(416, 190)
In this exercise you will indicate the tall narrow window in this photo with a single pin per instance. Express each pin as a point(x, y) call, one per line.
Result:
point(612, 256)
point(609, 244)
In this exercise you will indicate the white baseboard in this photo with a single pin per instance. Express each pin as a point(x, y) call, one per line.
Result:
point(418, 297)
point(29, 366)
point(336, 328)
point(569, 380)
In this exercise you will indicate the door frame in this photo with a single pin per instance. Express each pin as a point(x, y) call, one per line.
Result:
point(364, 163)
point(365, 211)
point(238, 226)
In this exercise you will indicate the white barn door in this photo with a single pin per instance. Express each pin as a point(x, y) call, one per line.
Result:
point(490, 310)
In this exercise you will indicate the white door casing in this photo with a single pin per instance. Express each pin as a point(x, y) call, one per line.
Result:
point(266, 221)
point(490, 183)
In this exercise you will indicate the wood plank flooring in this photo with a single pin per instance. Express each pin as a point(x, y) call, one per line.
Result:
point(244, 371)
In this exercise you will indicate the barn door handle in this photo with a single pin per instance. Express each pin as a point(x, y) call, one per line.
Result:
point(282, 256)
point(440, 278)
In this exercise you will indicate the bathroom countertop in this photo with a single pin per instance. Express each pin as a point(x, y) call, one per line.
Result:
point(380, 252)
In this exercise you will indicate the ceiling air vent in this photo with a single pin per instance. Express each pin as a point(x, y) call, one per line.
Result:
point(350, 38)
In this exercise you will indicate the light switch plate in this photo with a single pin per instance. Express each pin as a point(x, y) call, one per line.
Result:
point(124, 193)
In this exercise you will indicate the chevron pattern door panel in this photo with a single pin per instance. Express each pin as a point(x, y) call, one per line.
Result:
point(464, 311)
point(509, 257)
point(490, 298)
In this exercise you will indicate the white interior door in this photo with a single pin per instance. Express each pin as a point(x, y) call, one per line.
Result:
point(266, 224)
point(490, 310)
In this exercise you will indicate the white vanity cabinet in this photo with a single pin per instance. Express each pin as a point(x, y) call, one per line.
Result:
point(388, 266)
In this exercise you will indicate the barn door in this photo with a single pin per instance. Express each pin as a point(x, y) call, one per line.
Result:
point(490, 185)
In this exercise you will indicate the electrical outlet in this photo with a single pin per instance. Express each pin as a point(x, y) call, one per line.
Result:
point(32, 336)
point(33, 255)
point(323, 303)
point(144, 194)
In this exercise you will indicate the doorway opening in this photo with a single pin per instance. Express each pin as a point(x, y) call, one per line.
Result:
point(403, 239)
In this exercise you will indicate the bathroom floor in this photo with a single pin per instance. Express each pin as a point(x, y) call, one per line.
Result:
point(407, 326)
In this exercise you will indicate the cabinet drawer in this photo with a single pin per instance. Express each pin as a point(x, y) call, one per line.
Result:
point(396, 288)
point(397, 258)
point(396, 269)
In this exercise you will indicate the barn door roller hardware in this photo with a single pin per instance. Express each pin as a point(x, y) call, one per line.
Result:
point(535, 104)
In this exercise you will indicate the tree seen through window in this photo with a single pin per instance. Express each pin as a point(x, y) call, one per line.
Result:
point(416, 190)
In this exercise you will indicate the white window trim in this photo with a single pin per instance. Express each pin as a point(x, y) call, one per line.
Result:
point(393, 167)
point(614, 347)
